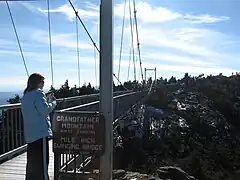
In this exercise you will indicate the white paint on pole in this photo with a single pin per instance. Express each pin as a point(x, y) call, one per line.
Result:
point(106, 84)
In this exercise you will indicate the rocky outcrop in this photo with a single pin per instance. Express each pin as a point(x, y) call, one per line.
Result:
point(193, 135)
point(162, 173)
point(128, 175)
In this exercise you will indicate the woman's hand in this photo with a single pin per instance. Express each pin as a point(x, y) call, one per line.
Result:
point(48, 97)
point(51, 97)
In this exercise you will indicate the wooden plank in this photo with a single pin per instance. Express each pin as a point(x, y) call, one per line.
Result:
point(12, 176)
point(16, 167)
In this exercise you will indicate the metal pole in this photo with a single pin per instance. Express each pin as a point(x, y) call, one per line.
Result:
point(106, 84)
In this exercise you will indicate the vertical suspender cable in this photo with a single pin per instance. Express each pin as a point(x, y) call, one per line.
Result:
point(19, 44)
point(129, 63)
point(50, 41)
point(79, 83)
point(138, 44)
point(95, 59)
point(132, 40)
point(123, 23)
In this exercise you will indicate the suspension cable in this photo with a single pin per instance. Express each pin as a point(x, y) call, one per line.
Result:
point(50, 41)
point(19, 44)
point(120, 82)
point(132, 40)
point(129, 62)
point(138, 44)
point(79, 83)
point(139, 75)
point(94, 44)
point(123, 23)
point(95, 59)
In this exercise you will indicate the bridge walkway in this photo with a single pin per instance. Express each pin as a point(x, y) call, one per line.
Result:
point(14, 169)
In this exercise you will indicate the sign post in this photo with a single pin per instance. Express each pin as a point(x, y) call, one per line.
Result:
point(106, 84)
point(76, 132)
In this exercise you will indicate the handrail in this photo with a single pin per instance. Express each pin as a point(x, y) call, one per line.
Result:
point(150, 89)
point(17, 105)
point(95, 102)
point(85, 96)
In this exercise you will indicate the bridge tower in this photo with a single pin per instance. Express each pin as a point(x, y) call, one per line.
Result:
point(150, 70)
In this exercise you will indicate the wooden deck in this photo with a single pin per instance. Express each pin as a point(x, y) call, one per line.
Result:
point(15, 168)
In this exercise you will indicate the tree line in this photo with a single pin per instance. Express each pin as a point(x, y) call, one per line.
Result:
point(66, 91)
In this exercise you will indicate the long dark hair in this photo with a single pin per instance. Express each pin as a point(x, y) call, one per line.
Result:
point(33, 81)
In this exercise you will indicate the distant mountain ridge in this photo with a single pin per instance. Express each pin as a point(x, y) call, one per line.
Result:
point(4, 96)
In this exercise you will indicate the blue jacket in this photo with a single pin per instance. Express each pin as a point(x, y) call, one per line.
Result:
point(35, 110)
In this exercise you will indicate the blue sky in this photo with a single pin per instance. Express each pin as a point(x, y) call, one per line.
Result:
point(194, 36)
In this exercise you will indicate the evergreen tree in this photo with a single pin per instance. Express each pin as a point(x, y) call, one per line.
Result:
point(14, 100)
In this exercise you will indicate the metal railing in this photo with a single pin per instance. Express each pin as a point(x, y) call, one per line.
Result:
point(11, 123)
point(62, 101)
point(67, 165)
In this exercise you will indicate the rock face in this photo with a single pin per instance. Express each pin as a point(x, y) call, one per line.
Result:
point(193, 135)
point(172, 173)
point(128, 175)
point(162, 173)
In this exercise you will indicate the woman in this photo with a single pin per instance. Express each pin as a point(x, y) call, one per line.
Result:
point(36, 108)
